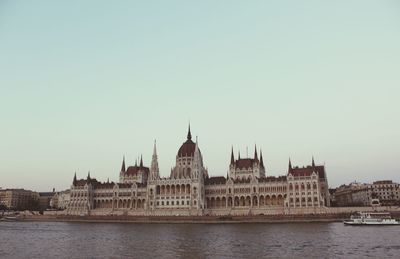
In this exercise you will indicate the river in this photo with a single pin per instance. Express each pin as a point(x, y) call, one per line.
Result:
point(128, 240)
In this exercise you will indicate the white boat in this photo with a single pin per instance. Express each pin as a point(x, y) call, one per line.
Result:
point(371, 218)
point(11, 218)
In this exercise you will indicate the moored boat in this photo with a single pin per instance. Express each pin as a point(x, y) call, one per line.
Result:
point(371, 218)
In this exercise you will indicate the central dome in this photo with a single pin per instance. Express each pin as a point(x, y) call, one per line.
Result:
point(187, 149)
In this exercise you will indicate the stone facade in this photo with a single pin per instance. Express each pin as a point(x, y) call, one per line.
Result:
point(362, 194)
point(19, 199)
point(189, 190)
point(60, 200)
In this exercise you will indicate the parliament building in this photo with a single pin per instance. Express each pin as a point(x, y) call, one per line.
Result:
point(190, 191)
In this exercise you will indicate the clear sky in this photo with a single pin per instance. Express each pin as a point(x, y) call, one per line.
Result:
point(83, 83)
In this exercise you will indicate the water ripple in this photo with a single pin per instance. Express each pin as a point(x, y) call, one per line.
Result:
point(119, 240)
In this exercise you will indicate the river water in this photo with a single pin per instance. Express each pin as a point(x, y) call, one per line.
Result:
point(128, 240)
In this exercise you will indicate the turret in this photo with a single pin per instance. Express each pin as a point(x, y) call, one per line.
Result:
point(123, 169)
point(290, 167)
point(74, 180)
point(255, 153)
point(154, 170)
point(261, 160)
point(197, 161)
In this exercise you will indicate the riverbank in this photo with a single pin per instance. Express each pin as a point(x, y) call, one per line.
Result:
point(197, 219)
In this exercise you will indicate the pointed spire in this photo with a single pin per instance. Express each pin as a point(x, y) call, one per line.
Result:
point(108, 180)
point(261, 159)
point(255, 153)
point(196, 148)
point(290, 166)
point(232, 157)
point(141, 161)
point(189, 135)
point(74, 181)
point(239, 155)
point(155, 148)
point(88, 176)
point(154, 171)
point(123, 164)
point(313, 163)
point(136, 162)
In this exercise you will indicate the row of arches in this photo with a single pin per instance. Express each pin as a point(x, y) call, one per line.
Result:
point(120, 204)
point(245, 201)
point(77, 204)
point(302, 186)
point(173, 189)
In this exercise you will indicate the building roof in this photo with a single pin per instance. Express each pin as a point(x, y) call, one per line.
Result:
point(124, 185)
point(239, 180)
point(244, 163)
point(307, 171)
point(132, 170)
point(46, 194)
point(272, 179)
point(83, 182)
point(215, 180)
point(107, 185)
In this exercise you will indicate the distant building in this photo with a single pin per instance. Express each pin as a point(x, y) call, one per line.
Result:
point(361, 194)
point(44, 199)
point(189, 190)
point(60, 200)
point(19, 199)
point(386, 191)
point(354, 194)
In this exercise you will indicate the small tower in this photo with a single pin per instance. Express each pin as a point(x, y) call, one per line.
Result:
point(289, 167)
point(123, 169)
point(197, 162)
point(312, 162)
point(154, 170)
point(74, 180)
point(232, 157)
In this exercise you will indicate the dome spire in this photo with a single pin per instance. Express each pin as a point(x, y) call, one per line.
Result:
point(189, 135)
